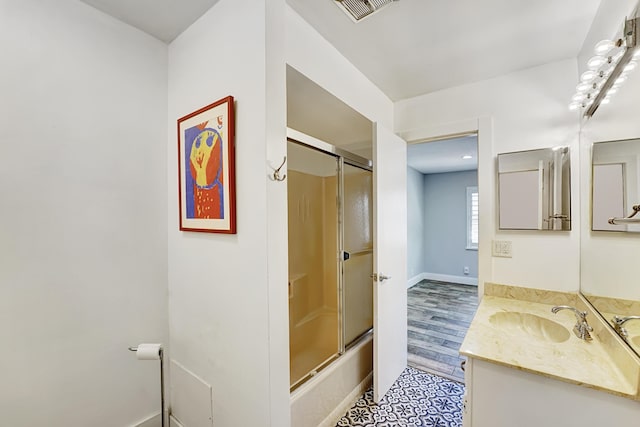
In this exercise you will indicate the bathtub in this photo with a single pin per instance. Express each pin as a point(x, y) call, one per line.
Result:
point(325, 397)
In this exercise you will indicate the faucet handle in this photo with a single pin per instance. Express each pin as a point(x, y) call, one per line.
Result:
point(581, 328)
point(584, 334)
point(618, 323)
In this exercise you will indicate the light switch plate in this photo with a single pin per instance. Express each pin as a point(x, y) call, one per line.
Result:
point(501, 248)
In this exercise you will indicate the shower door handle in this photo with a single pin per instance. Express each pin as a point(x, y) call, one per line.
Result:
point(379, 277)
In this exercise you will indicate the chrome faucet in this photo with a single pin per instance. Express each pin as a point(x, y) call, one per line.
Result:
point(618, 323)
point(581, 328)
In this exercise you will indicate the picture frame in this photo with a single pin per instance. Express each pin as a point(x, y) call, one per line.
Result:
point(206, 169)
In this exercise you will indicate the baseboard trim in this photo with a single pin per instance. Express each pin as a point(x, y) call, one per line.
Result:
point(335, 415)
point(152, 421)
point(415, 280)
point(463, 280)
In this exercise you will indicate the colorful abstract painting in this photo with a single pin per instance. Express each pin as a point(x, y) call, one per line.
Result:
point(206, 169)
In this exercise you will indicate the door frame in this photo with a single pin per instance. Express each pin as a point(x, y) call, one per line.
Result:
point(483, 127)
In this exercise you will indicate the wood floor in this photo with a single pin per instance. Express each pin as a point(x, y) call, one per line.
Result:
point(439, 314)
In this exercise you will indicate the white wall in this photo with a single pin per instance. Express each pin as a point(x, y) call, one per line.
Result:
point(228, 293)
point(609, 259)
point(277, 212)
point(82, 225)
point(528, 110)
point(309, 53)
point(218, 284)
point(415, 225)
point(445, 232)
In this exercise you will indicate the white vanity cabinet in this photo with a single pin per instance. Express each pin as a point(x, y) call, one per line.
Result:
point(500, 396)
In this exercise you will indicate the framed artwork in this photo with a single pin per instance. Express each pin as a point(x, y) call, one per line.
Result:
point(206, 169)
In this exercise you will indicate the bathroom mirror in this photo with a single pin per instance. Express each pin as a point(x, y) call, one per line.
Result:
point(609, 255)
point(608, 282)
point(534, 190)
point(615, 190)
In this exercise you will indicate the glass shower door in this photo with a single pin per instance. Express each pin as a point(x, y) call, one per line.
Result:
point(357, 265)
point(312, 185)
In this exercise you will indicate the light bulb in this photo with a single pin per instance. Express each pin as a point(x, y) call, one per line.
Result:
point(616, 57)
point(612, 91)
point(607, 69)
point(596, 62)
point(574, 106)
point(588, 76)
point(621, 79)
point(597, 84)
point(606, 100)
point(583, 87)
point(630, 66)
point(603, 47)
point(578, 97)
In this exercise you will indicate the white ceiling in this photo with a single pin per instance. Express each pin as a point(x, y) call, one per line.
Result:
point(409, 48)
point(163, 19)
point(444, 155)
point(414, 47)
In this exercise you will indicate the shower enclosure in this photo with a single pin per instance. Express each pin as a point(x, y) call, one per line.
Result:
point(330, 255)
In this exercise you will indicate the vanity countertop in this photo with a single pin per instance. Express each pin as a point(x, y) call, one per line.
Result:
point(585, 363)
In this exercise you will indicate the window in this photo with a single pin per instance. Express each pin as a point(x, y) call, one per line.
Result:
point(472, 218)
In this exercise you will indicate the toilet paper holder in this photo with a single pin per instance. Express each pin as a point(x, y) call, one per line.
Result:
point(160, 354)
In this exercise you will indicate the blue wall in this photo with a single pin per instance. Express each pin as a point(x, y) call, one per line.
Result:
point(445, 229)
point(415, 223)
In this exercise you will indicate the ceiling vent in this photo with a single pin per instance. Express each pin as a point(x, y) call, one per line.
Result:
point(360, 9)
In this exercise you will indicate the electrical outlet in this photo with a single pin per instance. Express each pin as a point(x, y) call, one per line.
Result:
point(466, 270)
point(501, 248)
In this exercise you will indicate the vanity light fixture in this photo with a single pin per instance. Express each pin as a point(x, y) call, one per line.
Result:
point(360, 9)
point(608, 69)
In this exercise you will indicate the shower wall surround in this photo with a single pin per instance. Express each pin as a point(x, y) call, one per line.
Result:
point(313, 278)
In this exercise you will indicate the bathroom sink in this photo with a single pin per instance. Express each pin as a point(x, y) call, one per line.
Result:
point(531, 325)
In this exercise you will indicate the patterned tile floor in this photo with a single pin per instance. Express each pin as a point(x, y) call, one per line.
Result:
point(416, 399)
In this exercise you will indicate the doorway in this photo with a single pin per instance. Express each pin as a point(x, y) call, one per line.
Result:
point(442, 251)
